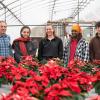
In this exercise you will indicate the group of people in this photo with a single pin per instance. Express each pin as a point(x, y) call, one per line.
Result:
point(51, 46)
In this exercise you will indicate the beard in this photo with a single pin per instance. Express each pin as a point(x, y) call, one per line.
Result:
point(76, 36)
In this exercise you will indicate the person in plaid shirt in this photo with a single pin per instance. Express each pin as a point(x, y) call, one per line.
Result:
point(5, 46)
point(76, 47)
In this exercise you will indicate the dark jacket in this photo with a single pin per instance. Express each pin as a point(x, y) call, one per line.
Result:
point(30, 46)
point(94, 47)
point(50, 48)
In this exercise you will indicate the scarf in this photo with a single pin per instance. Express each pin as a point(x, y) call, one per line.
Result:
point(22, 41)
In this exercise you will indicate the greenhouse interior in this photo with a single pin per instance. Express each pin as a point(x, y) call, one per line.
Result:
point(49, 50)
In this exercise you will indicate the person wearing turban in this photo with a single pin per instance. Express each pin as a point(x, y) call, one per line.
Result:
point(76, 47)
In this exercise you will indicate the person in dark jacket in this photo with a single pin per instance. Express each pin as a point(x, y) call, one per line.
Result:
point(23, 46)
point(94, 45)
point(50, 46)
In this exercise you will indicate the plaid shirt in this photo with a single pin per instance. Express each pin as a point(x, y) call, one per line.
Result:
point(82, 51)
point(5, 46)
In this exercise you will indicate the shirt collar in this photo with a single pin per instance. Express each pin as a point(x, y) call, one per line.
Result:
point(51, 39)
point(3, 35)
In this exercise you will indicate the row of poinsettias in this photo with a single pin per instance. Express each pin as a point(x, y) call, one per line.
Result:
point(46, 82)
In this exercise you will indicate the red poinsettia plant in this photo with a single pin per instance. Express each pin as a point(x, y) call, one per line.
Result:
point(6, 65)
point(49, 81)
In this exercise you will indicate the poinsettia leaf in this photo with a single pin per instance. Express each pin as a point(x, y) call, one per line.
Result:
point(65, 93)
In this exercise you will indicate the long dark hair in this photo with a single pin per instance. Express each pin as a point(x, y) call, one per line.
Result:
point(23, 29)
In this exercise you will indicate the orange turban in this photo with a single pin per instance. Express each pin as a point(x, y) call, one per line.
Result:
point(76, 27)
